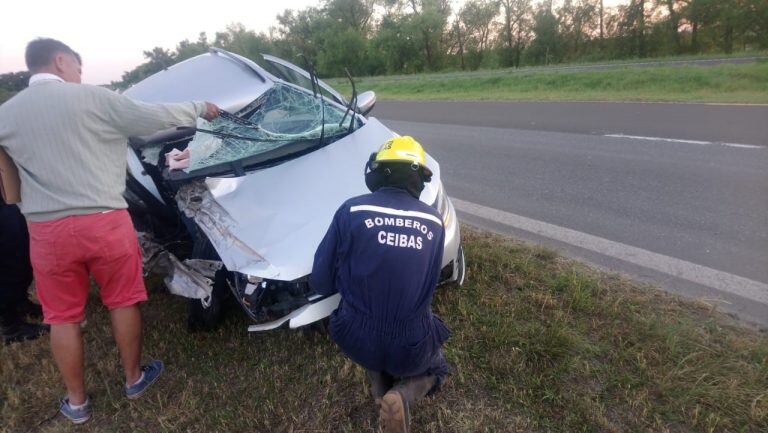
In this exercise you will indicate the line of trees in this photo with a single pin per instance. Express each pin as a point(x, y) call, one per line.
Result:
point(375, 37)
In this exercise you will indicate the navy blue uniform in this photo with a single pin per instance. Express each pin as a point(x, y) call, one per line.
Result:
point(383, 253)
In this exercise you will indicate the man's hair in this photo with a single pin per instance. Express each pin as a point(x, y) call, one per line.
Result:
point(41, 51)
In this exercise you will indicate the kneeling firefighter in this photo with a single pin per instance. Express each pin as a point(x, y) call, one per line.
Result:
point(383, 253)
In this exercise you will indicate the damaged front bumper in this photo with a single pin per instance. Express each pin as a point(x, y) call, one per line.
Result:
point(274, 304)
point(318, 309)
point(270, 303)
point(191, 278)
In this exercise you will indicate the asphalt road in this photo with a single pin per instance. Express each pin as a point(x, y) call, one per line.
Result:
point(726, 123)
point(668, 181)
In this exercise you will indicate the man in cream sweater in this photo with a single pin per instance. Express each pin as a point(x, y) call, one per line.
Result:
point(68, 141)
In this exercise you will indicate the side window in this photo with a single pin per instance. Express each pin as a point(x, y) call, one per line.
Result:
point(288, 75)
point(294, 77)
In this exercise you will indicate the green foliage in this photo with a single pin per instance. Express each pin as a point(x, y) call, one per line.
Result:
point(396, 47)
point(374, 37)
point(187, 49)
point(14, 81)
point(5, 95)
point(548, 45)
point(344, 48)
point(353, 14)
point(300, 33)
point(240, 40)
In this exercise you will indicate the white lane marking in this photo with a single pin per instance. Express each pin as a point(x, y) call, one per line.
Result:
point(743, 146)
point(717, 104)
point(399, 212)
point(722, 281)
point(677, 140)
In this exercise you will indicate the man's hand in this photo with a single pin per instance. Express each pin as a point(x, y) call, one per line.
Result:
point(211, 111)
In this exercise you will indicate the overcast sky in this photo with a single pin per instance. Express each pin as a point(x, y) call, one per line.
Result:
point(111, 37)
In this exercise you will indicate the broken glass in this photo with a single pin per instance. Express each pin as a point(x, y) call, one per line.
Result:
point(282, 115)
point(151, 154)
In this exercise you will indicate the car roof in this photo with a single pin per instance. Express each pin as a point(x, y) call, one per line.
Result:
point(226, 79)
point(229, 80)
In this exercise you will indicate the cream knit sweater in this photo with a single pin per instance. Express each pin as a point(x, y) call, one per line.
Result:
point(69, 144)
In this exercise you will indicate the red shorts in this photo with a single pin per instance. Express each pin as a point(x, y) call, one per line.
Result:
point(66, 251)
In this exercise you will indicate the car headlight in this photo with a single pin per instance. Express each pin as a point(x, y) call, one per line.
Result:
point(441, 204)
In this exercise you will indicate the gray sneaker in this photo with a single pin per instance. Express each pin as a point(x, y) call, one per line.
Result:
point(152, 372)
point(79, 415)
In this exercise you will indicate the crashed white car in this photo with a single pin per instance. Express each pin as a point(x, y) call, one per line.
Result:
point(262, 184)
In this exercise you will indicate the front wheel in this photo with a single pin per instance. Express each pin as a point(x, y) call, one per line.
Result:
point(205, 315)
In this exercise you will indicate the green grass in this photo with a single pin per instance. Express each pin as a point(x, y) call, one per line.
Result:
point(747, 83)
point(540, 344)
point(762, 55)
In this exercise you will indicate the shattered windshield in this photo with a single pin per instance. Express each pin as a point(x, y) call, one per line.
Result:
point(281, 116)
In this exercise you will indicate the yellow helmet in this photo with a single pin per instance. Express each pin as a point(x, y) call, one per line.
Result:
point(391, 164)
point(402, 149)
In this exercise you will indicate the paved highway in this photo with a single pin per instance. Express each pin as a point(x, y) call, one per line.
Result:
point(675, 194)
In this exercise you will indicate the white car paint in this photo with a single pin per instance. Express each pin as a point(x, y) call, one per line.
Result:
point(269, 222)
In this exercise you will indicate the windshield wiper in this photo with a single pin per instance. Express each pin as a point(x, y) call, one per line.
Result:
point(352, 103)
point(317, 92)
point(238, 120)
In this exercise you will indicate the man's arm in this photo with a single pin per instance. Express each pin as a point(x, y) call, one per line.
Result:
point(134, 118)
point(323, 277)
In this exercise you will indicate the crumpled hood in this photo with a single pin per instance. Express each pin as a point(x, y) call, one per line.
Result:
point(269, 222)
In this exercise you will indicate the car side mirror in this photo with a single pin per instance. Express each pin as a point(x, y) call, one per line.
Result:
point(365, 102)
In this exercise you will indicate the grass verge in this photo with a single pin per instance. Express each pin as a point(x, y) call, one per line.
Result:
point(540, 344)
point(745, 83)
